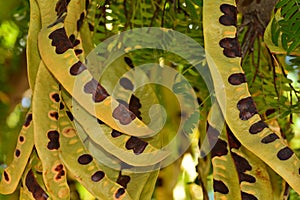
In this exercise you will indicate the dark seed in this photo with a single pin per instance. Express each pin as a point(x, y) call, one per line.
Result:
point(122, 114)
point(77, 68)
point(6, 177)
point(21, 139)
point(70, 115)
point(247, 178)
point(115, 133)
point(80, 21)
point(98, 176)
point(270, 138)
point(237, 79)
point(285, 153)
point(247, 108)
point(126, 83)
point(34, 187)
point(129, 62)
point(220, 187)
point(54, 115)
point(120, 192)
point(257, 127)
point(246, 196)
point(17, 153)
point(55, 97)
point(98, 92)
point(60, 40)
point(53, 136)
point(123, 180)
point(28, 120)
point(85, 159)
point(136, 144)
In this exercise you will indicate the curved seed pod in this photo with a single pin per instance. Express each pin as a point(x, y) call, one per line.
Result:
point(81, 163)
point(45, 106)
point(32, 52)
point(94, 98)
point(12, 174)
point(33, 186)
point(237, 106)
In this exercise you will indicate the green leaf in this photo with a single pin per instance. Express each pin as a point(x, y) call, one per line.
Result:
point(198, 2)
point(282, 3)
point(284, 41)
point(191, 9)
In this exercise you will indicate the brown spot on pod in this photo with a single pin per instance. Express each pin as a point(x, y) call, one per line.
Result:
point(229, 18)
point(73, 40)
point(247, 178)
point(85, 159)
point(270, 138)
point(122, 114)
point(55, 97)
point(91, 27)
point(257, 127)
point(21, 139)
point(129, 62)
point(60, 40)
point(246, 196)
point(99, 121)
point(70, 115)
point(33, 187)
point(6, 176)
point(199, 101)
point(220, 187)
point(77, 68)
point(61, 7)
point(119, 193)
point(220, 148)
point(135, 105)
point(123, 180)
point(17, 153)
point(53, 115)
point(285, 153)
point(136, 144)
point(247, 108)
point(61, 106)
point(115, 133)
point(237, 79)
point(98, 176)
point(61, 172)
point(159, 182)
point(80, 21)
point(69, 132)
point(93, 87)
point(126, 83)
point(53, 136)
point(78, 51)
point(28, 120)
point(241, 163)
point(232, 140)
point(231, 47)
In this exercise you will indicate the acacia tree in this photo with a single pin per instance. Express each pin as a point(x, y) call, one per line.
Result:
point(99, 131)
